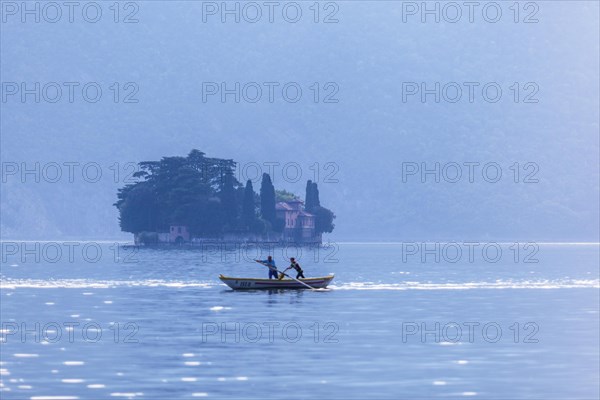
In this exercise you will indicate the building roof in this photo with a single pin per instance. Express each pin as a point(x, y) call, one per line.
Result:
point(283, 206)
point(288, 205)
point(305, 214)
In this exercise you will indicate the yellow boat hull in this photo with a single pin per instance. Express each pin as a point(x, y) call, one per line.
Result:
point(254, 283)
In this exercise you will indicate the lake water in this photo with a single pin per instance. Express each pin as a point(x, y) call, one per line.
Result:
point(110, 322)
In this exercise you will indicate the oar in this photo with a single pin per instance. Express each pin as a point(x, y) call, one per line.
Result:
point(283, 273)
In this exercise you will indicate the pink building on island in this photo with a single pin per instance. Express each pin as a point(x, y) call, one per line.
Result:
point(299, 227)
point(299, 224)
point(179, 234)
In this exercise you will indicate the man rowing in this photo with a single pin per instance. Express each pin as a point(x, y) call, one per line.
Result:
point(269, 262)
point(296, 266)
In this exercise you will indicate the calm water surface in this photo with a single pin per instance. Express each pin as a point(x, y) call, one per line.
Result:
point(159, 324)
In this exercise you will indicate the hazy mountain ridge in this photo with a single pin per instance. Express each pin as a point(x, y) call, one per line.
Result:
point(368, 134)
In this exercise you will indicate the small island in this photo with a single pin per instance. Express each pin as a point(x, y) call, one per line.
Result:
point(194, 199)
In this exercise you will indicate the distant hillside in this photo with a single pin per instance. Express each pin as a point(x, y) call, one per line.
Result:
point(366, 136)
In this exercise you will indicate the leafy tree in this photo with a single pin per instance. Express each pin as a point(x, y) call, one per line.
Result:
point(323, 219)
point(211, 218)
point(284, 195)
point(260, 226)
point(185, 190)
point(203, 194)
point(278, 225)
point(138, 208)
point(267, 199)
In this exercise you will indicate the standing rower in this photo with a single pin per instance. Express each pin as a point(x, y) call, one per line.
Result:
point(296, 266)
point(269, 262)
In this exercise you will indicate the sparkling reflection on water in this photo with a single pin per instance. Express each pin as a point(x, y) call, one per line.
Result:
point(165, 327)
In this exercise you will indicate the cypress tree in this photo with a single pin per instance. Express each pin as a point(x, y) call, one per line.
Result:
point(315, 195)
point(267, 199)
point(248, 215)
point(308, 205)
point(312, 196)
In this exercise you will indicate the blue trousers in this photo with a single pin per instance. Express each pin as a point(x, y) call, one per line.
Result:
point(273, 274)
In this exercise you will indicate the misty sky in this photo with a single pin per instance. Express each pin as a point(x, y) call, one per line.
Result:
point(361, 120)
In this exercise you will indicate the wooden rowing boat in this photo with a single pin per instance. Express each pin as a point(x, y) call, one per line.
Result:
point(253, 283)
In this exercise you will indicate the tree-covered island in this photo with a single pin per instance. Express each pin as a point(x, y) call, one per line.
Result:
point(196, 198)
